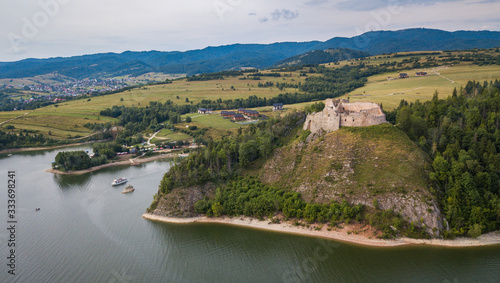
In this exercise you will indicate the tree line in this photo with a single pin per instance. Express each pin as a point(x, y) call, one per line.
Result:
point(462, 135)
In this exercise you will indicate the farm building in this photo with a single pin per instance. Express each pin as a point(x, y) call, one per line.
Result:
point(205, 111)
point(277, 106)
point(403, 76)
point(227, 114)
point(252, 113)
point(238, 117)
point(421, 74)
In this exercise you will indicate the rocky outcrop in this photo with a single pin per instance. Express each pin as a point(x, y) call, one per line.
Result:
point(180, 201)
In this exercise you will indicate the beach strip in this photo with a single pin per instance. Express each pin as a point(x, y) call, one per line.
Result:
point(492, 238)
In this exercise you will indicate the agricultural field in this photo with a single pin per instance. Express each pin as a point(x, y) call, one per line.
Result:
point(389, 90)
point(67, 119)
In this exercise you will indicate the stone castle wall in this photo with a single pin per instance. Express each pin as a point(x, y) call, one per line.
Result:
point(341, 113)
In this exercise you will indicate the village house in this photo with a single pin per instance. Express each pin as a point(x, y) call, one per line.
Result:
point(420, 74)
point(238, 117)
point(277, 106)
point(227, 114)
point(205, 111)
point(403, 76)
point(252, 113)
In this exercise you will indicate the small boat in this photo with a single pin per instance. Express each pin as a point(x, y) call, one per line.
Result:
point(119, 181)
point(9, 155)
point(128, 189)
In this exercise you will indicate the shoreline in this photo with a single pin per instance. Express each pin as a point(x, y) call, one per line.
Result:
point(492, 238)
point(130, 162)
point(25, 149)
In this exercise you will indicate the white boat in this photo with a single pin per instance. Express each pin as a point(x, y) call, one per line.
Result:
point(119, 181)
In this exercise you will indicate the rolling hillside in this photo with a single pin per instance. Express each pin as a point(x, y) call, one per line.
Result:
point(212, 59)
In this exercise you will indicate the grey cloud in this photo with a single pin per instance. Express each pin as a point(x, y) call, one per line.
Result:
point(263, 20)
point(285, 14)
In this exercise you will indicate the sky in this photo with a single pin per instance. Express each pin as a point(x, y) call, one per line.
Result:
point(53, 28)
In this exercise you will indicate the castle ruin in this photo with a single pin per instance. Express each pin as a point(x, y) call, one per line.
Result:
point(340, 113)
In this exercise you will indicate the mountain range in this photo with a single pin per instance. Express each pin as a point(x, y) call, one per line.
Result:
point(235, 56)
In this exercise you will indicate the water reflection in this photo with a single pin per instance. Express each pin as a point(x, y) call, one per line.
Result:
point(66, 182)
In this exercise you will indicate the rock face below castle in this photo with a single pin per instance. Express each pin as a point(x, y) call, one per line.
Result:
point(340, 113)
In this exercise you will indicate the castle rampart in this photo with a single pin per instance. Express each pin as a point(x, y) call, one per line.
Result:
point(340, 113)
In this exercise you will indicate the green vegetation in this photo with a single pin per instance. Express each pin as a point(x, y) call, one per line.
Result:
point(80, 160)
point(445, 71)
point(73, 160)
point(462, 134)
point(249, 197)
point(220, 159)
point(228, 163)
point(323, 56)
point(23, 139)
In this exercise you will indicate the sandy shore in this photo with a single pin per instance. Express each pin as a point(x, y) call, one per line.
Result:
point(134, 161)
point(347, 234)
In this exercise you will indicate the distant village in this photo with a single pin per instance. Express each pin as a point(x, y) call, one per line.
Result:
point(241, 114)
point(75, 88)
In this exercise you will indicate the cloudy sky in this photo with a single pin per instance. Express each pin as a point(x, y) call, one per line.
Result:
point(50, 28)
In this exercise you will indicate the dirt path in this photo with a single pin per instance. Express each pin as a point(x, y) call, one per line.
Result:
point(14, 118)
point(152, 137)
point(436, 71)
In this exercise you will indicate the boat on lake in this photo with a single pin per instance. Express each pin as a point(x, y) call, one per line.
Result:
point(128, 189)
point(119, 181)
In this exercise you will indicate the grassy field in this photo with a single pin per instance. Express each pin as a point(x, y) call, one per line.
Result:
point(168, 135)
point(212, 120)
point(390, 92)
point(69, 117)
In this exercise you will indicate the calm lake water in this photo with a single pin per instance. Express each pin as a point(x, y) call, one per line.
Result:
point(87, 231)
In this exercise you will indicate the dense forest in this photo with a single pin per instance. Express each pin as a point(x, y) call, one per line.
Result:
point(25, 138)
point(80, 160)
point(462, 135)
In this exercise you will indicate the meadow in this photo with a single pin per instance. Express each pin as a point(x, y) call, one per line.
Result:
point(390, 92)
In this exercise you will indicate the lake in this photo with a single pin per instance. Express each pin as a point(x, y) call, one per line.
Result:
point(87, 231)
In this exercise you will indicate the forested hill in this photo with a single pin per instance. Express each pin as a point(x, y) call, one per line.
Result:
point(213, 59)
point(323, 56)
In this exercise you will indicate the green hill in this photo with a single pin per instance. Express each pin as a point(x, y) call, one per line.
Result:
point(323, 56)
point(359, 165)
